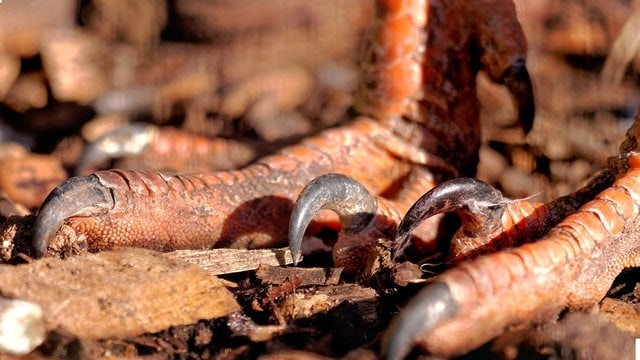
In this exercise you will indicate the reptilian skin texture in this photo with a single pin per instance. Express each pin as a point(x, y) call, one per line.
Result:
point(435, 133)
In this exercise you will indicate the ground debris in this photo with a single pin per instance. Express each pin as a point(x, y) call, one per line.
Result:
point(624, 314)
point(227, 261)
point(242, 325)
point(576, 336)
point(319, 300)
point(307, 276)
point(119, 293)
point(15, 237)
point(9, 207)
point(357, 354)
point(21, 326)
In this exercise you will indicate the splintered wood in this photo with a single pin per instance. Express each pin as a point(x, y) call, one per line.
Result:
point(227, 261)
point(364, 301)
point(116, 294)
point(623, 314)
point(305, 276)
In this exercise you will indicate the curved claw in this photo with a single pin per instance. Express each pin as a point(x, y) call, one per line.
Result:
point(430, 307)
point(516, 78)
point(348, 198)
point(77, 196)
point(129, 139)
point(477, 203)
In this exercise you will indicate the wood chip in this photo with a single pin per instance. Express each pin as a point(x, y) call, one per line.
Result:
point(293, 355)
point(116, 294)
point(620, 306)
point(9, 207)
point(242, 325)
point(15, 237)
point(625, 315)
point(307, 276)
point(227, 261)
point(365, 302)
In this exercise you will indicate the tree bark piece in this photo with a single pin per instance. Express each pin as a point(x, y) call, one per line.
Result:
point(115, 294)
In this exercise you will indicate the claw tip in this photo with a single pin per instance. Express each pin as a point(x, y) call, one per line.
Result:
point(348, 198)
point(432, 306)
point(77, 196)
point(518, 80)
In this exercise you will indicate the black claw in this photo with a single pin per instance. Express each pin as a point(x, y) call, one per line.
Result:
point(342, 194)
point(517, 79)
point(477, 203)
point(77, 196)
point(433, 305)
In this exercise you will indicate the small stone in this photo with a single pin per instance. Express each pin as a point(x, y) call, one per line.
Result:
point(21, 326)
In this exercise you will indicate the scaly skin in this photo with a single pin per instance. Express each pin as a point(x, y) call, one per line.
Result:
point(166, 148)
point(489, 222)
point(364, 218)
point(432, 85)
point(246, 208)
point(437, 134)
point(571, 267)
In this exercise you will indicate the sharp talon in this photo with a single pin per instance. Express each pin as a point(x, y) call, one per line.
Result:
point(130, 139)
point(77, 196)
point(348, 198)
point(477, 203)
point(517, 79)
point(429, 308)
